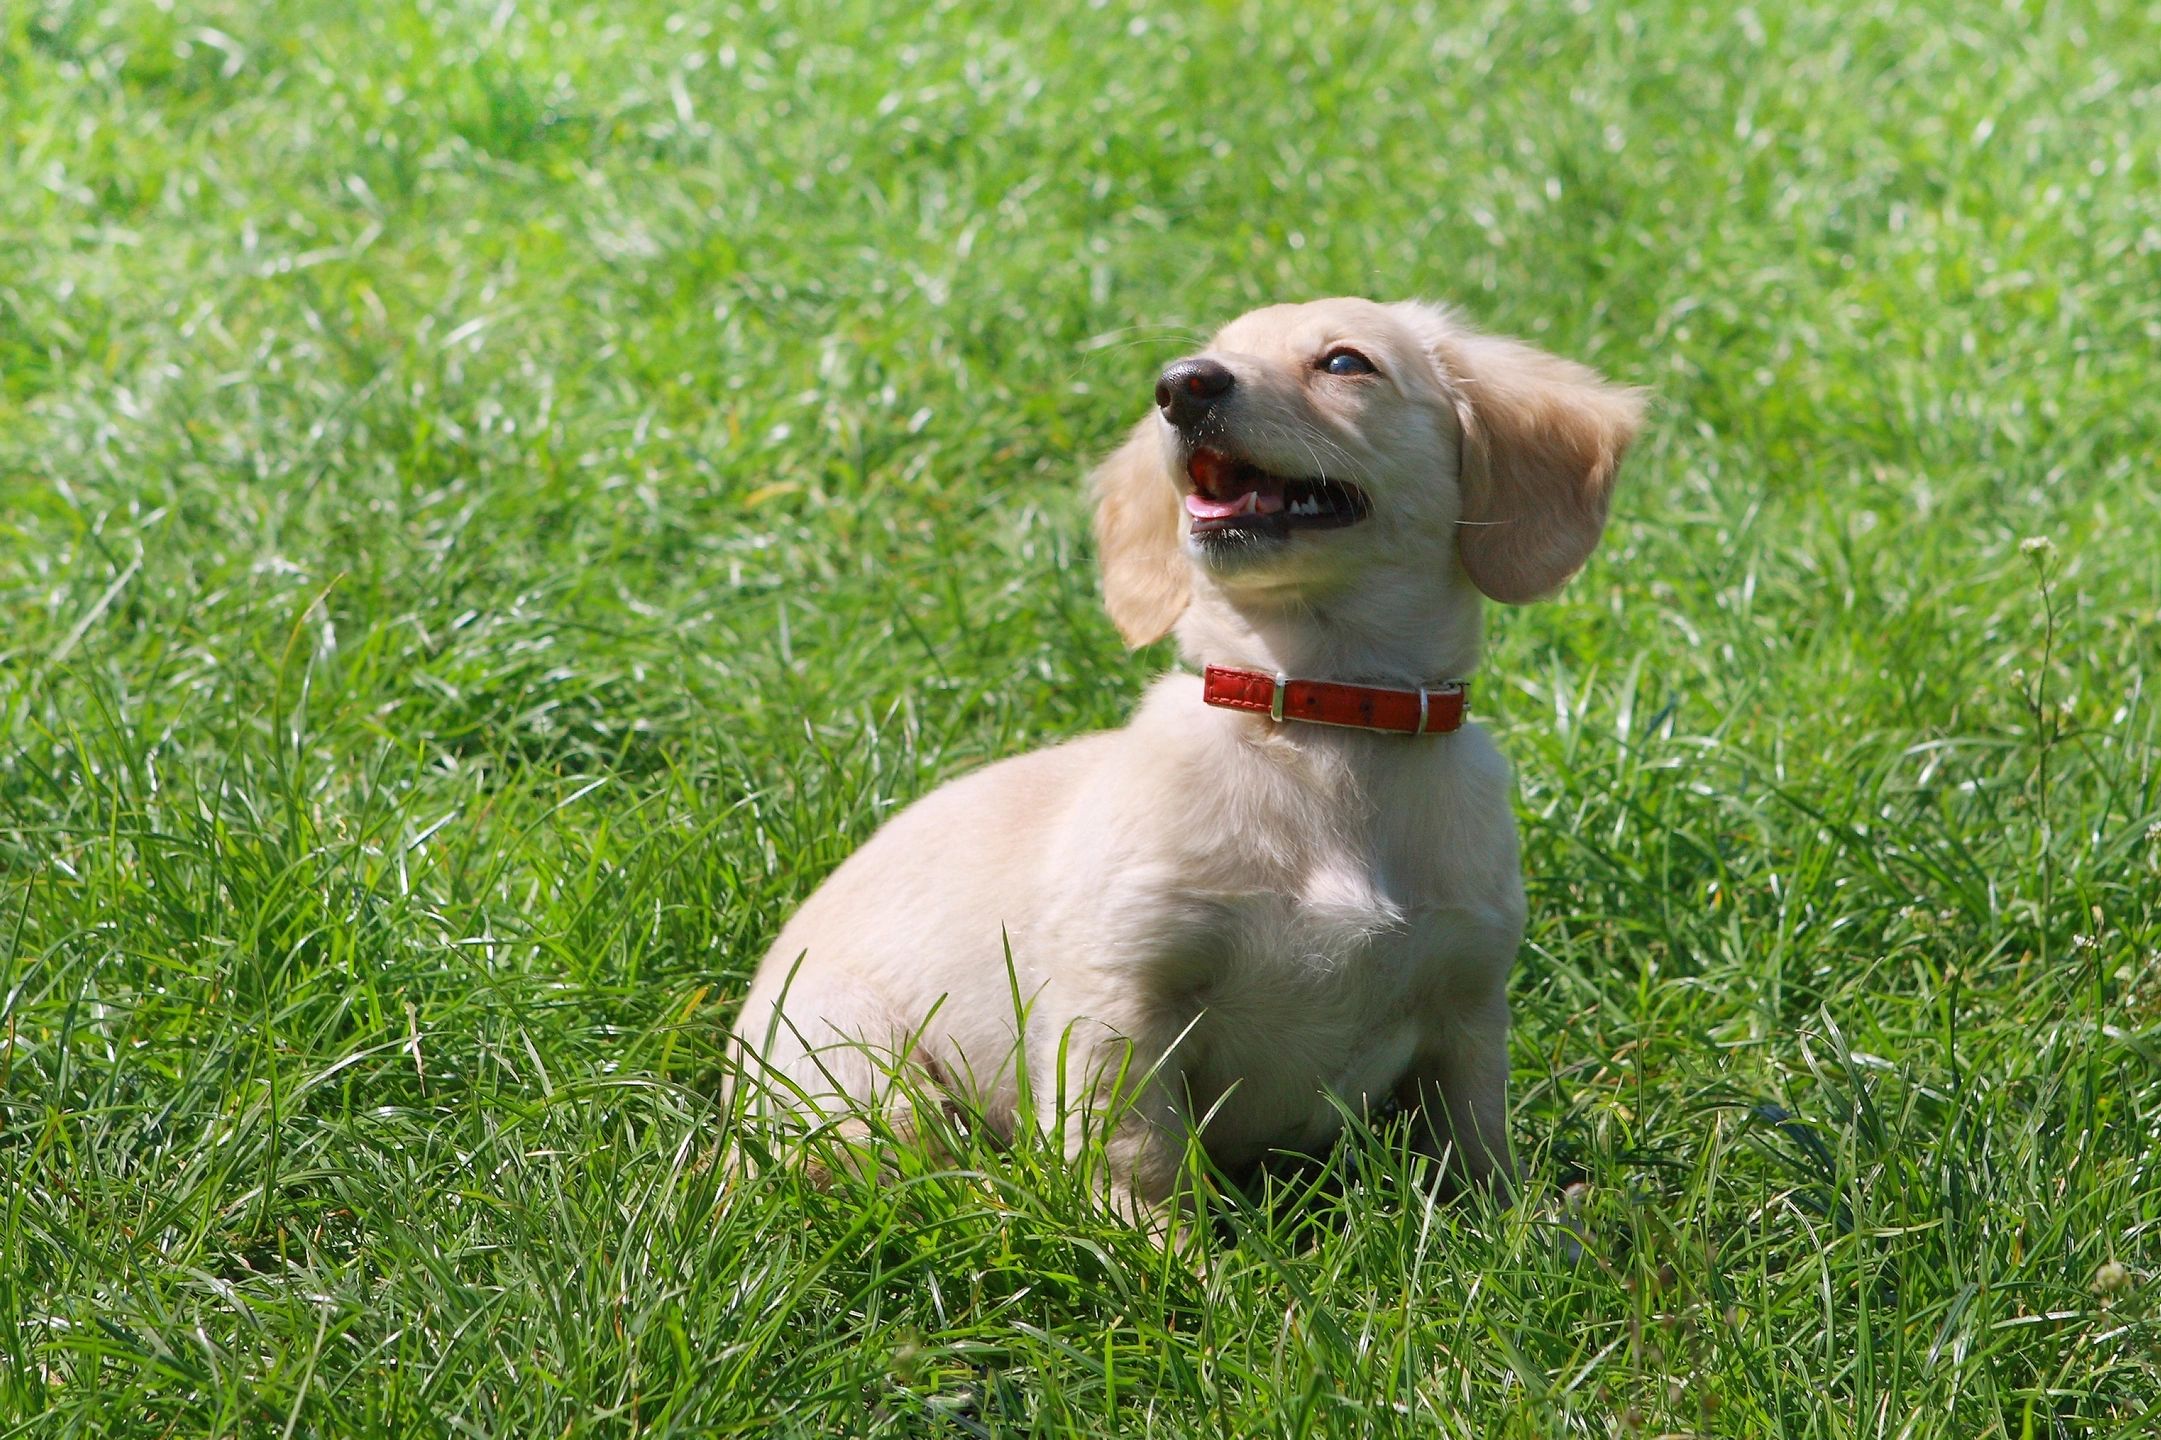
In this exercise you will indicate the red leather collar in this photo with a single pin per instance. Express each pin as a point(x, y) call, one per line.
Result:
point(1428, 710)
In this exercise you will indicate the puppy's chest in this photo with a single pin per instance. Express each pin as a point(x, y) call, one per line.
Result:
point(1308, 974)
point(1294, 997)
point(1330, 920)
point(1339, 941)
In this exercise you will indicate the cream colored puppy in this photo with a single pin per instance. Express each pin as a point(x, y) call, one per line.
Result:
point(1236, 920)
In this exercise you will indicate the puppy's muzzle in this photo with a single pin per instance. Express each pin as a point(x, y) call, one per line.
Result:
point(1188, 390)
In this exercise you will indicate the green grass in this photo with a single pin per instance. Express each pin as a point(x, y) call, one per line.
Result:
point(495, 503)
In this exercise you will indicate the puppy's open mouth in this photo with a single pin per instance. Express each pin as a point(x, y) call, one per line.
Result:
point(1234, 494)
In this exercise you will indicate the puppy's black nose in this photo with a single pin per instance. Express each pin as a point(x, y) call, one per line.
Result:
point(1188, 389)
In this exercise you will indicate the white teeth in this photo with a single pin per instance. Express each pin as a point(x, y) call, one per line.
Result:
point(1249, 503)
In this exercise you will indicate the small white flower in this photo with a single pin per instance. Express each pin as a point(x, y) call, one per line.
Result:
point(2111, 1277)
point(2036, 545)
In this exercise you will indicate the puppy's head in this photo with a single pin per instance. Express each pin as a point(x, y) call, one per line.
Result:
point(1314, 449)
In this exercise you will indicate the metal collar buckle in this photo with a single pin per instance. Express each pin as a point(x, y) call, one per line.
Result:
point(1425, 697)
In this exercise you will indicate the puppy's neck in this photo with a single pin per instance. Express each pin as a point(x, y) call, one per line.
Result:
point(1404, 634)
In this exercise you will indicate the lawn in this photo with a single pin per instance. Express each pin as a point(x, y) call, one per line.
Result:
point(496, 501)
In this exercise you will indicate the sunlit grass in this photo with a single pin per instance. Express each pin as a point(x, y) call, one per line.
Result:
point(496, 501)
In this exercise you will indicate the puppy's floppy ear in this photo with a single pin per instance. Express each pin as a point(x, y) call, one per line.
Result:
point(1542, 440)
point(1146, 580)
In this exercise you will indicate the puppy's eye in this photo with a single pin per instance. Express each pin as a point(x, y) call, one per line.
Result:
point(1345, 361)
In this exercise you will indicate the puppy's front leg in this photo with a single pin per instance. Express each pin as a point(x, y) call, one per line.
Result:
point(1126, 1091)
point(1459, 1094)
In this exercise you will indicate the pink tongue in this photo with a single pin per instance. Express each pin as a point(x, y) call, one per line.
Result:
point(1253, 502)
